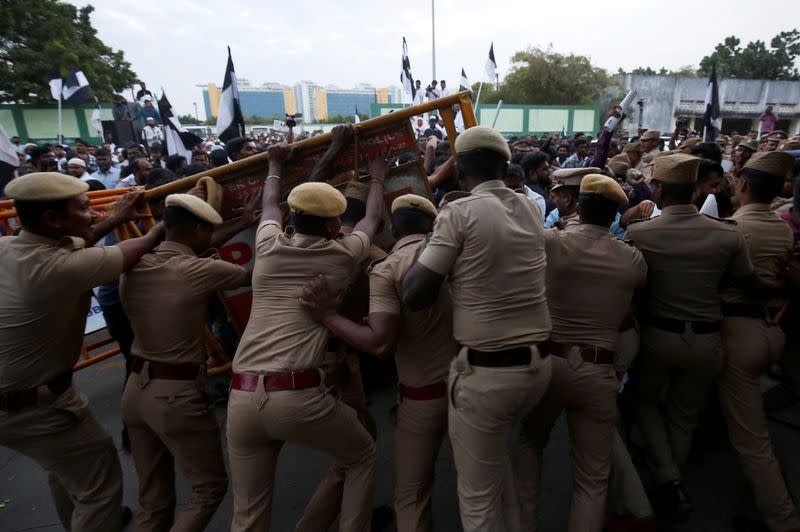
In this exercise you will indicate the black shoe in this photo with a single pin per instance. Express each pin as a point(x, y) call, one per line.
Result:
point(126, 441)
point(382, 516)
point(743, 523)
point(671, 502)
point(127, 516)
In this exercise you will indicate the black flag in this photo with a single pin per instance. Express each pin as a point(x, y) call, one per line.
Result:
point(178, 140)
point(230, 123)
point(76, 88)
point(406, 79)
point(711, 116)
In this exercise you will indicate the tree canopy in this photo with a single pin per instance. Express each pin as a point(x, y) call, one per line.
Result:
point(756, 61)
point(40, 34)
point(685, 71)
point(547, 77)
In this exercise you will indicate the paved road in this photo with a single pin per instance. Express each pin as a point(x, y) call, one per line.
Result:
point(716, 483)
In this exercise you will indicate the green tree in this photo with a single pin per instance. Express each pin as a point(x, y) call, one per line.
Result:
point(546, 77)
point(188, 120)
point(38, 34)
point(756, 61)
point(684, 71)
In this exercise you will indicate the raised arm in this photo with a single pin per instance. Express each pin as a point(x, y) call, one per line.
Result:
point(133, 248)
point(271, 195)
point(124, 211)
point(250, 216)
point(341, 136)
point(372, 218)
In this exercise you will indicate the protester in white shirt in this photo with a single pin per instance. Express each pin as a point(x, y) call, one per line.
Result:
point(151, 133)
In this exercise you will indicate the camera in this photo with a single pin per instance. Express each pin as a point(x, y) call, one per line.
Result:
point(290, 120)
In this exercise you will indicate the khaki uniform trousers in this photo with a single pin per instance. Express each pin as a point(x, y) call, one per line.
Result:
point(626, 494)
point(62, 435)
point(326, 503)
point(421, 425)
point(686, 365)
point(485, 404)
point(258, 424)
point(588, 392)
point(171, 423)
point(750, 346)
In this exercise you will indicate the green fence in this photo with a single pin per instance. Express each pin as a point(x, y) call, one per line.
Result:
point(526, 119)
point(39, 123)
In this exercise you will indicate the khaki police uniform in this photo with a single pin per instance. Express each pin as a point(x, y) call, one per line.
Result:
point(491, 245)
point(688, 255)
point(278, 391)
point(753, 342)
point(164, 405)
point(45, 290)
point(648, 159)
point(424, 352)
point(591, 279)
point(342, 368)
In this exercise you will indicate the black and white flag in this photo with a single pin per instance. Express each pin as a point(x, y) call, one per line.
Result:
point(491, 65)
point(711, 116)
point(76, 88)
point(178, 140)
point(230, 123)
point(406, 79)
point(356, 118)
point(54, 81)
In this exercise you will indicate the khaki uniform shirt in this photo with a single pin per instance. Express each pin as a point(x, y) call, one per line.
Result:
point(166, 297)
point(767, 238)
point(647, 163)
point(45, 290)
point(688, 256)
point(569, 221)
point(591, 279)
point(281, 335)
point(425, 346)
point(491, 245)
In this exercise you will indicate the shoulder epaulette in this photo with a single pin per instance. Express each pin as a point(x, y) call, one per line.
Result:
point(375, 263)
point(723, 220)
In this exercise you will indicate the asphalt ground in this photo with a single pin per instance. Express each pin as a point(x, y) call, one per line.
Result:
point(712, 477)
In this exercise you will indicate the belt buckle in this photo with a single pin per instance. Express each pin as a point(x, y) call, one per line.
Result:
point(293, 385)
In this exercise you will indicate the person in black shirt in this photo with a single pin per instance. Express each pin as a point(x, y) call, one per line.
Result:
point(143, 92)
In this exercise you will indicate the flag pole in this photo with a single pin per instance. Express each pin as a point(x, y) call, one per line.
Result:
point(478, 99)
point(497, 113)
point(60, 139)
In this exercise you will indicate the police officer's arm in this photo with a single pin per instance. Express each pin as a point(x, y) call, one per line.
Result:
point(124, 211)
point(340, 137)
point(133, 248)
point(372, 217)
point(423, 281)
point(378, 336)
point(271, 195)
point(250, 216)
point(743, 275)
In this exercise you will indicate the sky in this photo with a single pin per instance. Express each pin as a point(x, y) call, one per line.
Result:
point(177, 44)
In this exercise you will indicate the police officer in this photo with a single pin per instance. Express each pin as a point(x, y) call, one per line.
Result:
point(278, 391)
point(164, 405)
point(565, 196)
point(425, 348)
point(649, 143)
point(753, 341)
point(591, 279)
point(491, 245)
point(688, 255)
point(48, 273)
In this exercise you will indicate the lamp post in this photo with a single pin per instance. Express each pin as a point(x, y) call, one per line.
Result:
point(197, 116)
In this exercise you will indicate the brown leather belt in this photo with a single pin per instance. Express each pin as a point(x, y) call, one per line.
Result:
point(424, 393)
point(170, 372)
point(678, 326)
point(19, 399)
point(514, 356)
point(589, 353)
point(273, 382)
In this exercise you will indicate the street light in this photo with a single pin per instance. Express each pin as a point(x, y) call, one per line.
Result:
point(197, 116)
